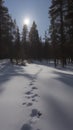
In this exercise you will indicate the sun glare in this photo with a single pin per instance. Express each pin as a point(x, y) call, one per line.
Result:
point(26, 21)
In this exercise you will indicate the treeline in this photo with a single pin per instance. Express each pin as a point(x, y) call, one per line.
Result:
point(13, 45)
point(61, 30)
point(57, 44)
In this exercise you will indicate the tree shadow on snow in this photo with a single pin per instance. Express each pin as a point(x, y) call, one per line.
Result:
point(9, 71)
point(58, 116)
point(65, 78)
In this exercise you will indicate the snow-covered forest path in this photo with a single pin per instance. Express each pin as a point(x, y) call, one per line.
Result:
point(35, 97)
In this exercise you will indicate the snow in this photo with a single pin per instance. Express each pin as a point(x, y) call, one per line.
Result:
point(35, 97)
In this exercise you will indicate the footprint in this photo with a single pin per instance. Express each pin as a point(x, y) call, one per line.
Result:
point(34, 100)
point(28, 93)
point(39, 114)
point(31, 84)
point(28, 97)
point(35, 113)
point(34, 88)
point(33, 80)
point(29, 104)
point(26, 127)
point(24, 103)
point(35, 95)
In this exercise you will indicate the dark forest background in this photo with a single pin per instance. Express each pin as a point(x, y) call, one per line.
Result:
point(57, 44)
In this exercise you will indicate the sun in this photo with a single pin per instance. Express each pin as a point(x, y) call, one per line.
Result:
point(26, 21)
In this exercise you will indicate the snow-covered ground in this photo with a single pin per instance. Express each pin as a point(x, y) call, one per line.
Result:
point(35, 97)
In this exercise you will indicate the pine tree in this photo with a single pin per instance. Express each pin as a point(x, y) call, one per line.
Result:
point(24, 44)
point(54, 28)
point(17, 46)
point(46, 47)
point(69, 29)
point(58, 11)
point(34, 40)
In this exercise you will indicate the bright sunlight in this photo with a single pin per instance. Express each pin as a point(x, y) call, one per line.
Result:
point(26, 21)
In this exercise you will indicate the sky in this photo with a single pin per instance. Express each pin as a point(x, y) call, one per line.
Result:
point(35, 10)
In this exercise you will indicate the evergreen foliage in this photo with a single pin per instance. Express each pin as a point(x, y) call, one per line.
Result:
point(58, 46)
